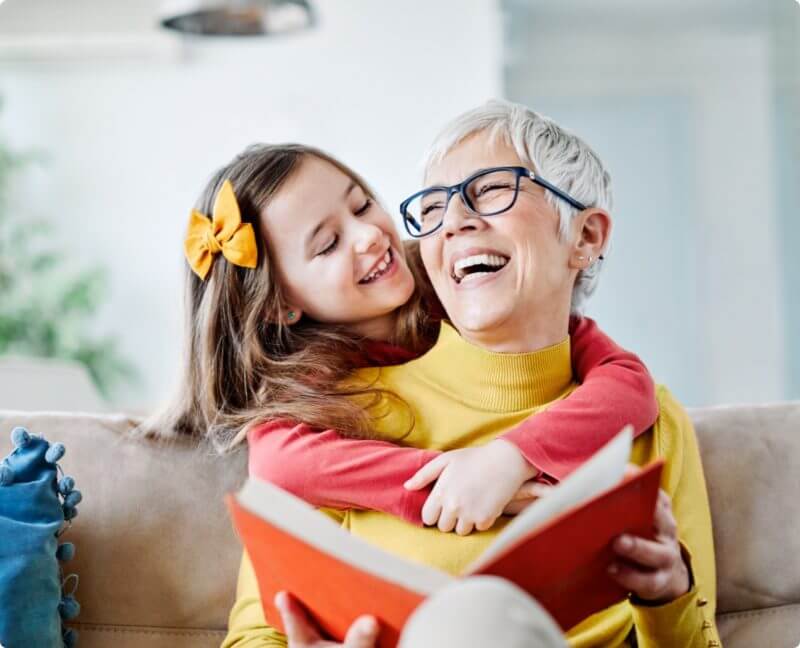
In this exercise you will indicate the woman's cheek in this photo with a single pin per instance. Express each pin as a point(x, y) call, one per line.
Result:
point(428, 253)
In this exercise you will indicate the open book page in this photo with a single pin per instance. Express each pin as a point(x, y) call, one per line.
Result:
point(604, 470)
point(297, 518)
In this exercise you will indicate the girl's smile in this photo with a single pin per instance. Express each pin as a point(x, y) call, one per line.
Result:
point(384, 269)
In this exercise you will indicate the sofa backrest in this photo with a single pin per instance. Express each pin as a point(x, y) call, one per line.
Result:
point(158, 559)
point(751, 459)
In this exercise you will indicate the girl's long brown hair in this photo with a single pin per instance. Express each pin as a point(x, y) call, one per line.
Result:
point(242, 364)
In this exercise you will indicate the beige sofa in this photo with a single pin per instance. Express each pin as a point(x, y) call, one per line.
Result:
point(157, 557)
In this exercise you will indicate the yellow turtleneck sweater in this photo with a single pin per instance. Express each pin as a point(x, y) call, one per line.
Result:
point(460, 395)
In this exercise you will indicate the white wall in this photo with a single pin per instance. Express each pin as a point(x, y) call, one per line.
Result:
point(677, 95)
point(679, 100)
point(132, 139)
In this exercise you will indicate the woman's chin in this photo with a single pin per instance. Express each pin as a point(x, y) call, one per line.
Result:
point(478, 322)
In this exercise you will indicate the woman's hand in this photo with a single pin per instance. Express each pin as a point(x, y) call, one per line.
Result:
point(363, 633)
point(527, 494)
point(653, 570)
point(473, 485)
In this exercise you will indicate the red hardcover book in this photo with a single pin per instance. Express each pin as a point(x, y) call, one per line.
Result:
point(558, 550)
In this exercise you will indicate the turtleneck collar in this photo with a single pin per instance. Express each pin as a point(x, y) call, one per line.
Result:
point(499, 382)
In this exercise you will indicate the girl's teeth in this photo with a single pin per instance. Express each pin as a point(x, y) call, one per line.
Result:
point(387, 259)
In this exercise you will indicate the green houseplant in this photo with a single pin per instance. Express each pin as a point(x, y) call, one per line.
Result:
point(46, 308)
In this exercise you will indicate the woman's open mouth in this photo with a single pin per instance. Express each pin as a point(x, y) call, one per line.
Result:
point(383, 269)
point(476, 266)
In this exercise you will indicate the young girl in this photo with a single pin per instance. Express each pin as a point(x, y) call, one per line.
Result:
point(326, 286)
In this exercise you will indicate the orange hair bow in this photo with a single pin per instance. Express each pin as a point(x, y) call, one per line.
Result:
point(224, 233)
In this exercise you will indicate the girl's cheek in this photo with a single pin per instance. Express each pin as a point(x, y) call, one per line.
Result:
point(387, 226)
point(344, 277)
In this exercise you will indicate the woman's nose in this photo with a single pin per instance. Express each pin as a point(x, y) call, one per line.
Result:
point(457, 218)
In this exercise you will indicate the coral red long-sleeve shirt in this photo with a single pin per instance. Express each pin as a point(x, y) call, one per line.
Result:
point(329, 470)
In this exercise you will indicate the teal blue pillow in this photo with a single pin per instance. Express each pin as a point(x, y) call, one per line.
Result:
point(34, 507)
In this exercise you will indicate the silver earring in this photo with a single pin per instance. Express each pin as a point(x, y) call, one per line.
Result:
point(591, 258)
point(291, 315)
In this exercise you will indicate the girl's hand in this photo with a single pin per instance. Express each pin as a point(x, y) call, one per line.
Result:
point(653, 570)
point(473, 485)
point(302, 633)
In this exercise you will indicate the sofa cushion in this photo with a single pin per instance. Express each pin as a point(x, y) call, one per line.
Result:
point(157, 555)
point(773, 626)
point(751, 458)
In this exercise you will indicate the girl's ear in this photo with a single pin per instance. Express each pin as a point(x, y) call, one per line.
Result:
point(292, 315)
point(288, 316)
point(593, 227)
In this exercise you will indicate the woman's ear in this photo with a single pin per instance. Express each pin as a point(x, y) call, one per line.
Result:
point(593, 231)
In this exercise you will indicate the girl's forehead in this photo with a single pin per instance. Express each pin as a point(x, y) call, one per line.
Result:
point(315, 180)
point(308, 197)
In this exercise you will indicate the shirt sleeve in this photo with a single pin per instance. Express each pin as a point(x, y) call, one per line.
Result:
point(688, 620)
point(247, 626)
point(327, 469)
point(616, 390)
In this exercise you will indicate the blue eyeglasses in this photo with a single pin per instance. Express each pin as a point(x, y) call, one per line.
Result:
point(486, 193)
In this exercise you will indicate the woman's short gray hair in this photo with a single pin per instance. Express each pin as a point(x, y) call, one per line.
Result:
point(553, 152)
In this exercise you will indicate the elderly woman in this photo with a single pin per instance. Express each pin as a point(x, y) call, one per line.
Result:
point(516, 210)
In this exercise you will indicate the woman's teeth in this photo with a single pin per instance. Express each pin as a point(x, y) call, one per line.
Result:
point(380, 269)
point(477, 265)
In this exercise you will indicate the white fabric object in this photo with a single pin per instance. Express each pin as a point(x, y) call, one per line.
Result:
point(481, 611)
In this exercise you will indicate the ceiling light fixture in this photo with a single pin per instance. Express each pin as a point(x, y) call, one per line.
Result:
point(237, 17)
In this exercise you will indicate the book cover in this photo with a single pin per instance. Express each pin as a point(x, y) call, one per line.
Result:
point(558, 549)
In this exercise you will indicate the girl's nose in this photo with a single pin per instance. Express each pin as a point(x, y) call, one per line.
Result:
point(368, 237)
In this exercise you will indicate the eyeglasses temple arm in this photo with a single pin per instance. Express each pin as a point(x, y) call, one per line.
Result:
point(564, 196)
